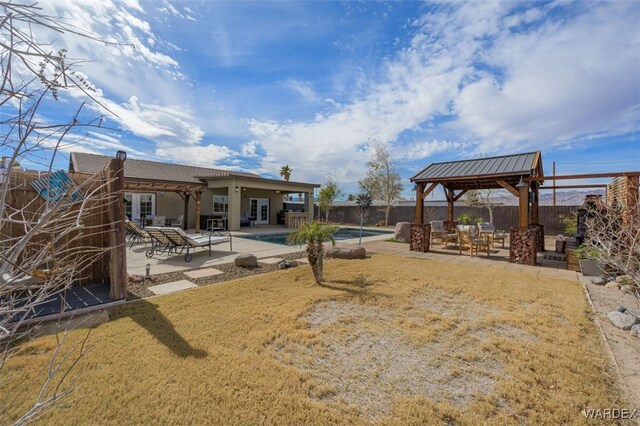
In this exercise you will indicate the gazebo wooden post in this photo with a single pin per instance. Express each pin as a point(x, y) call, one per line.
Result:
point(420, 203)
point(523, 208)
point(450, 201)
point(198, 195)
point(534, 205)
point(632, 196)
point(185, 221)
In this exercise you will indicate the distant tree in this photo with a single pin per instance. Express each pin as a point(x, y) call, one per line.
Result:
point(383, 180)
point(480, 198)
point(314, 234)
point(351, 197)
point(328, 194)
point(285, 172)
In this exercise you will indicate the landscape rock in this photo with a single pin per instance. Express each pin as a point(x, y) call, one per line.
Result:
point(626, 289)
point(598, 280)
point(402, 231)
point(623, 321)
point(136, 278)
point(635, 330)
point(246, 261)
point(347, 253)
point(612, 284)
point(285, 264)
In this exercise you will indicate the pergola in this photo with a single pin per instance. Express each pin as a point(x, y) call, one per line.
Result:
point(510, 172)
point(185, 190)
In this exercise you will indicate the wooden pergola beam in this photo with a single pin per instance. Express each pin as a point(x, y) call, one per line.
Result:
point(598, 185)
point(508, 187)
point(584, 176)
point(429, 189)
point(460, 194)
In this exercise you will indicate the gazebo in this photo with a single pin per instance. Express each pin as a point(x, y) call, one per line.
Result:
point(520, 174)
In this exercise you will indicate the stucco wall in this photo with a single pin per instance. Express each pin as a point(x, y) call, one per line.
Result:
point(275, 202)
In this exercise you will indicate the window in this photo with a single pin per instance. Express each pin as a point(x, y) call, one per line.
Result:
point(220, 203)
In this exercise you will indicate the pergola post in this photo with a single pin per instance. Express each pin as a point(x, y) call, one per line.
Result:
point(198, 196)
point(420, 203)
point(534, 204)
point(185, 222)
point(450, 202)
point(118, 255)
point(523, 207)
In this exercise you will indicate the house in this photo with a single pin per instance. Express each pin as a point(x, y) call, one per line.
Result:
point(201, 194)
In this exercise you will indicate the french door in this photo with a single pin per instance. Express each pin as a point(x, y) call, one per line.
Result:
point(139, 206)
point(260, 210)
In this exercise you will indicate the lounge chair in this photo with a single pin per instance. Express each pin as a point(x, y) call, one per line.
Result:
point(182, 240)
point(438, 231)
point(487, 229)
point(159, 242)
point(468, 237)
point(135, 234)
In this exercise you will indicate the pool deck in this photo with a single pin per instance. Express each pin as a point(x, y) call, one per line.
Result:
point(161, 263)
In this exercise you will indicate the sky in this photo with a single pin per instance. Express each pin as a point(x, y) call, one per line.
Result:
point(252, 86)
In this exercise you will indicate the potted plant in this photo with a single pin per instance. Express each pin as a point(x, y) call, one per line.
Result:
point(590, 266)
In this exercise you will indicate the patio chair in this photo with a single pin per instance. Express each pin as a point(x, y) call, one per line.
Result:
point(467, 237)
point(159, 242)
point(438, 231)
point(487, 229)
point(246, 220)
point(182, 240)
point(135, 234)
point(159, 221)
point(178, 222)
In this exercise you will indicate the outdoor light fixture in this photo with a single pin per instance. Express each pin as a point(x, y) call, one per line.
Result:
point(277, 191)
point(237, 188)
point(147, 270)
point(522, 183)
point(121, 155)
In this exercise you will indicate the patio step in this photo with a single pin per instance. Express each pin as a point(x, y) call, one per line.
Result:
point(555, 256)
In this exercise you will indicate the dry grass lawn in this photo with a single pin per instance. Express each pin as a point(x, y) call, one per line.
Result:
point(387, 340)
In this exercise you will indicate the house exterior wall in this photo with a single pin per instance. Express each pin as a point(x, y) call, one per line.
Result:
point(275, 202)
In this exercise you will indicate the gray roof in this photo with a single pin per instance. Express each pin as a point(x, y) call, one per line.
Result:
point(150, 170)
point(516, 164)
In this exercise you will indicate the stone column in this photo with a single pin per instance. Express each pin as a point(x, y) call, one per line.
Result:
point(308, 204)
point(419, 237)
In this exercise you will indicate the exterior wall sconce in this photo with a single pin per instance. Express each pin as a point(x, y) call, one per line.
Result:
point(237, 188)
point(521, 184)
point(277, 191)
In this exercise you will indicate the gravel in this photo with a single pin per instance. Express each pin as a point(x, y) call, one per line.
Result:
point(230, 272)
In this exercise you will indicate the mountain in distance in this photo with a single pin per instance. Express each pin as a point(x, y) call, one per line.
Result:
point(563, 198)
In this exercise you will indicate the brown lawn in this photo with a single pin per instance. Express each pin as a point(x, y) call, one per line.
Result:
point(387, 340)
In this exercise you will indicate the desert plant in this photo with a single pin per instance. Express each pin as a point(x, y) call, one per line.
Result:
point(314, 234)
point(464, 219)
point(570, 223)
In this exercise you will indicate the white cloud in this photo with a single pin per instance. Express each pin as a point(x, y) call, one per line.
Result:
point(425, 149)
point(302, 88)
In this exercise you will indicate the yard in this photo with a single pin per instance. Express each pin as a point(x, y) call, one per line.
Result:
point(386, 340)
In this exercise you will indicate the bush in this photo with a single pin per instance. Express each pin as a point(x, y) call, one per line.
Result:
point(570, 223)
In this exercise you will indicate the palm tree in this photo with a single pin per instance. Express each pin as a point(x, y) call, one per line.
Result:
point(314, 234)
point(364, 202)
point(285, 172)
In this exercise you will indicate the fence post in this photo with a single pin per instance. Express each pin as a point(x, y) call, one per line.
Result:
point(118, 253)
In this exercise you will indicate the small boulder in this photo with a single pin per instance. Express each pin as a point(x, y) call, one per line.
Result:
point(635, 330)
point(347, 253)
point(612, 284)
point(623, 321)
point(136, 278)
point(598, 280)
point(626, 289)
point(285, 264)
point(402, 232)
point(246, 261)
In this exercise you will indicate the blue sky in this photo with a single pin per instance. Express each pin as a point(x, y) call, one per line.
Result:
point(255, 85)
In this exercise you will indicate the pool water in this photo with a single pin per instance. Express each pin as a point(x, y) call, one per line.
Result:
point(341, 234)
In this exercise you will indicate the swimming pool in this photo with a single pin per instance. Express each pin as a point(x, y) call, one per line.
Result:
point(341, 234)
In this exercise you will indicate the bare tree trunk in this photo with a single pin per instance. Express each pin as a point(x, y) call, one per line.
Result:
point(315, 260)
point(386, 215)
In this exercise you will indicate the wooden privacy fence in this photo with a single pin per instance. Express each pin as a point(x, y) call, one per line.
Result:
point(99, 242)
point(504, 217)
